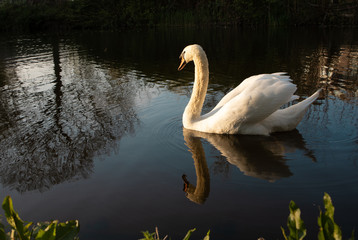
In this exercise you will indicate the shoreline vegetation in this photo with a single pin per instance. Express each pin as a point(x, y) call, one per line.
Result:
point(327, 228)
point(63, 15)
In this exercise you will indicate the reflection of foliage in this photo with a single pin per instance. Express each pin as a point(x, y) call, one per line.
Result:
point(44, 230)
point(52, 130)
point(336, 67)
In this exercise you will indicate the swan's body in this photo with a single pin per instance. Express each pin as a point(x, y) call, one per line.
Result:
point(253, 107)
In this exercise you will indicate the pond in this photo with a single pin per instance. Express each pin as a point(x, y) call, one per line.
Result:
point(90, 129)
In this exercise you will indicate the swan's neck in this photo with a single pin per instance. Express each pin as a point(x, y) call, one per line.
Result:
point(193, 109)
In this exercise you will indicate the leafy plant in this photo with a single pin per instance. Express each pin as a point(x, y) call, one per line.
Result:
point(41, 231)
point(188, 234)
point(328, 229)
point(152, 236)
point(155, 235)
point(295, 224)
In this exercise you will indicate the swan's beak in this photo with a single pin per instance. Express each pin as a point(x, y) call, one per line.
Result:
point(182, 63)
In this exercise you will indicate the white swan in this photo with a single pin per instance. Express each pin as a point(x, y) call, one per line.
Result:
point(253, 107)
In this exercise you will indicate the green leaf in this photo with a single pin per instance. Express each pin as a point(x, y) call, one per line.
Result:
point(207, 237)
point(328, 229)
point(68, 230)
point(295, 224)
point(284, 233)
point(48, 233)
point(43, 231)
point(328, 206)
point(188, 234)
point(320, 222)
point(39, 226)
point(148, 236)
point(14, 220)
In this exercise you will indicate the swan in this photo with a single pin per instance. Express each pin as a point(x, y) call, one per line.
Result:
point(251, 108)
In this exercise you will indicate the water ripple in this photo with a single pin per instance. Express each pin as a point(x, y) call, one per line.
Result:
point(164, 118)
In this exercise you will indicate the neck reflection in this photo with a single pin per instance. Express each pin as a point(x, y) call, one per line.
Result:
point(200, 192)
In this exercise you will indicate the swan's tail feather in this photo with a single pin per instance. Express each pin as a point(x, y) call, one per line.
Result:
point(308, 101)
point(279, 73)
point(287, 119)
point(298, 110)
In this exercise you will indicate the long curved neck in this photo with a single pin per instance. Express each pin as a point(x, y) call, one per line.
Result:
point(193, 109)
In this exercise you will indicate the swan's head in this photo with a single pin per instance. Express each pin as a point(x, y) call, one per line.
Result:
point(188, 54)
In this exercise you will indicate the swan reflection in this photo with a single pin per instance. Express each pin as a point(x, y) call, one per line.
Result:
point(256, 156)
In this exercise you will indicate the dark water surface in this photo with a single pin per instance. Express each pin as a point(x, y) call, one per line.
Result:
point(90, 129)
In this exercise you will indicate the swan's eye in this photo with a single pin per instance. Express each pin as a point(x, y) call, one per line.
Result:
point(182, 55)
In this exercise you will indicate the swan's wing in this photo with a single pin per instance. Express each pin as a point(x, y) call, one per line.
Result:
point(254, 99)
point(251, 83)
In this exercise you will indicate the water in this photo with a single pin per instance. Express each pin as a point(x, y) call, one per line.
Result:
point(90, 129)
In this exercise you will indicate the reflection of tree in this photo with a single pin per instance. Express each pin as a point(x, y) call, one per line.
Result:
point(336, 68)
point(53, 126)
point(58, 86)
point(2, 74)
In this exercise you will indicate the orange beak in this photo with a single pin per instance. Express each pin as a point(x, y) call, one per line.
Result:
point(182, 63)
